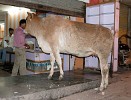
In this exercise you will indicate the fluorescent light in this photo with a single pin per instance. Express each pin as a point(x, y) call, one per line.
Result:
point(86, 1)
point(2, 23)
point(15, 10)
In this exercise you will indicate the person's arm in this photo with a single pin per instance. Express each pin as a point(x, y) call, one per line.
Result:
point(29, 36)
point(7, 39)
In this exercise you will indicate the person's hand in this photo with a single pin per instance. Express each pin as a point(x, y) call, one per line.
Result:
point(27, 46)
point(29, 36)
point(7, 41)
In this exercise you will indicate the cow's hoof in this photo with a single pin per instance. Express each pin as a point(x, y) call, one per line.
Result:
point(96, 89)
point(61, 77)
point(103, 93)
point(105, 87)
point(101, 89)
point(49, 77)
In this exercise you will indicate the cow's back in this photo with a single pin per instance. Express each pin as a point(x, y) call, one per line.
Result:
point(73, 37)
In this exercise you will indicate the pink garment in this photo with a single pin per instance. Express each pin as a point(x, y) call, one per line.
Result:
point(19, 38)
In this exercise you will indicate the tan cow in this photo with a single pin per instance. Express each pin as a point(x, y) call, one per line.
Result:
point(57, 35)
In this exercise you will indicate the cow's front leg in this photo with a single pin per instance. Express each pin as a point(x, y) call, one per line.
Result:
point(59, 62)
point(52, 61)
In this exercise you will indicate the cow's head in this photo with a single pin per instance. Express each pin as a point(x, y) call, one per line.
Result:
point(31, 23)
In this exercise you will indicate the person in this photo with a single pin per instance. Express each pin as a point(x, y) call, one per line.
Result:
point(7, 45)
point(20, 54)
point(10, 39)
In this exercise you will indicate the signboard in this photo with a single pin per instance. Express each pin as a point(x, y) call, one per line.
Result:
point(40, 67)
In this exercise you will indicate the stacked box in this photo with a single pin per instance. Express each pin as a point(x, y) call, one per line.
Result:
point(40, 66)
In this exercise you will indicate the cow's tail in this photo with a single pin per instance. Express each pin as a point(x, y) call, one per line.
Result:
point(111, 63)
point(112, 55)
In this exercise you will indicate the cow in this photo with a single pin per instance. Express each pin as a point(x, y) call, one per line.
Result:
point(57, 35)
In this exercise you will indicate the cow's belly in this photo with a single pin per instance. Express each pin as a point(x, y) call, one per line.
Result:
point(81, 52)
point(85, 54)
point(44, 46)
point(79, 47)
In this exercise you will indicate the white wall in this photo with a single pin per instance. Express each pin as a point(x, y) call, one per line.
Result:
point(102, 14)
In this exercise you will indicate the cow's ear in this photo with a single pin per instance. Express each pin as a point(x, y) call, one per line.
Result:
point(30, 15)
point(33, 14)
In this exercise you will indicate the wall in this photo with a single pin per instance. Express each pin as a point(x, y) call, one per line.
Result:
point(79, 61)
point(100, 14)
point(106, 14)
point(1, 31)
point(14, 16)
point(2, 21)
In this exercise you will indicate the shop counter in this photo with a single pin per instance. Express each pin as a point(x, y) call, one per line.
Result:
point(39, 62)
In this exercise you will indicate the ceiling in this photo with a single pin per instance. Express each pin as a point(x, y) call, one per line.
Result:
point(5, 7)
point(59, 4)
point(2, 17)
point(66, 7)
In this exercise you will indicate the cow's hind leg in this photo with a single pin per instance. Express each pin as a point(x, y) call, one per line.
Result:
point(104, 72)
point(106, 75)
point(52, 60)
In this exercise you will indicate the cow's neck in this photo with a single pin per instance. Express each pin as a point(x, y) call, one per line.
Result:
point(38, 29)
point(43, 44)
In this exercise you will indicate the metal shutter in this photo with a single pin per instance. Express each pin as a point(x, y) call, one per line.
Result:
point(123, 26)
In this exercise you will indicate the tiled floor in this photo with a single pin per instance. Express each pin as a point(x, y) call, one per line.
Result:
point(40, 86)
point(4, 73)
point(24, 85)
